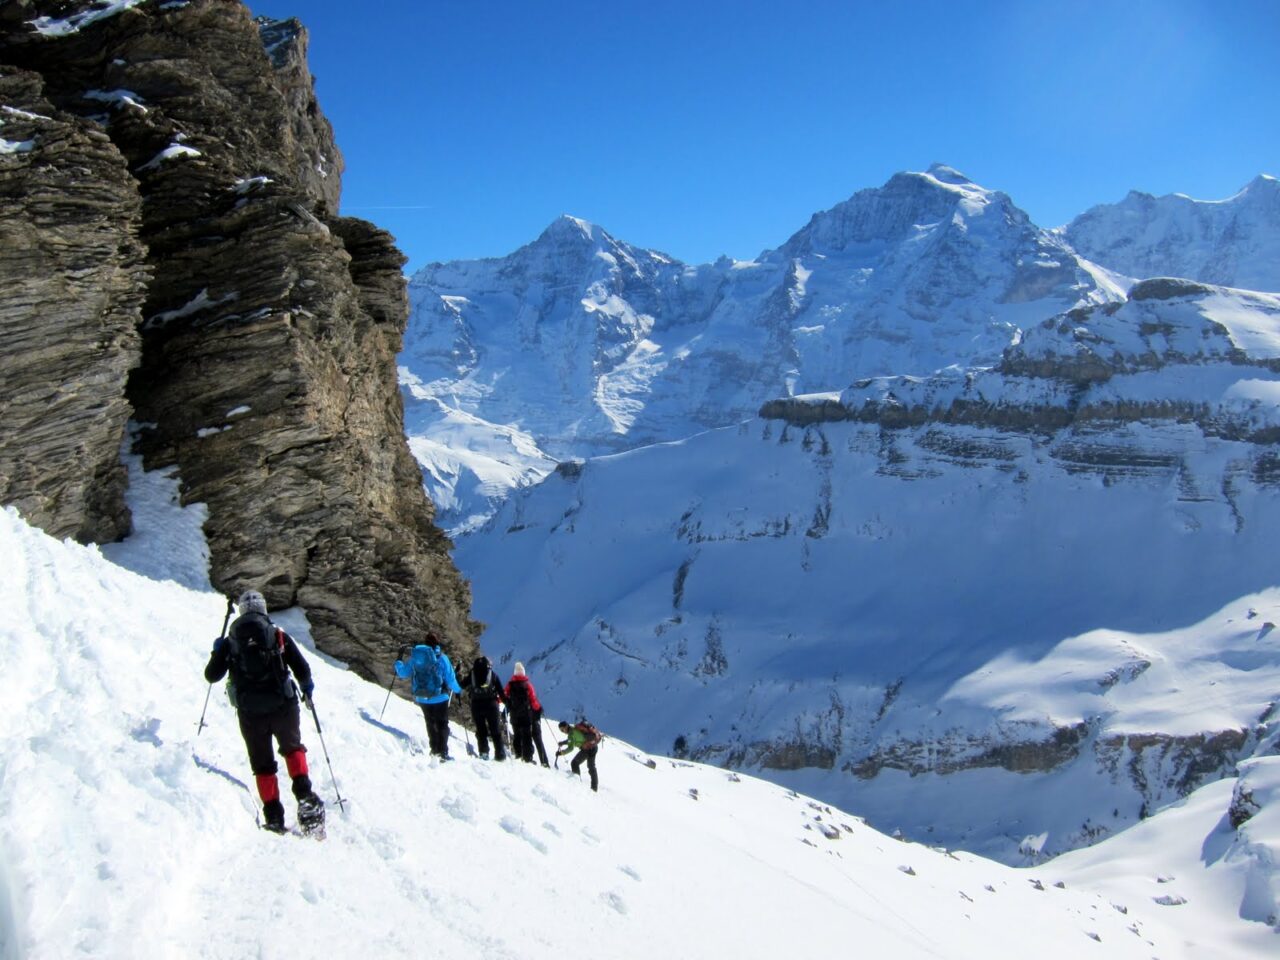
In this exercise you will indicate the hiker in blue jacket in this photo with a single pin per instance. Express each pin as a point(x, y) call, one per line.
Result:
point(434, 685)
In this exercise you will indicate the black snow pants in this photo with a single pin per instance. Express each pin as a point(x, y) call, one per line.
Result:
point(258, 729)
point(437, 717)
point(484, 711)
point(522, 735)
point(590, 756)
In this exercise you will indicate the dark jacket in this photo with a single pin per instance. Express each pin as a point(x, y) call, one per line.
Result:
point(262, 696)
point(481, 683)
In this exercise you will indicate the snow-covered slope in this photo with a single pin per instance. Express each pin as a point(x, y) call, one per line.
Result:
point(1233, 242)
point(1030, 601)
point(123, 833)
point(588, 345)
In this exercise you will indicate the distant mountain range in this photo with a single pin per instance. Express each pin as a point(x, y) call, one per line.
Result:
point(1232, 243)
point(579, 344)
point(922, 504)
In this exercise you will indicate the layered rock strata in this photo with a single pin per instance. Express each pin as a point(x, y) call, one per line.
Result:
point(270, 325)
point(72, 282)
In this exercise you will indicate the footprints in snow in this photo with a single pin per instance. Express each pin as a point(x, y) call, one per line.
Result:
point(464, 808)
point(516, 828)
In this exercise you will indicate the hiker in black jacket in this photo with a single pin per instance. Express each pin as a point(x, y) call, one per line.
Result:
point(485, 691)
point(260, 656)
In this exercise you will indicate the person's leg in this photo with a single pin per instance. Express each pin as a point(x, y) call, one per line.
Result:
point(482, 732)
point(256, 732)
point(493, 722)
point(523, 737)
point(537, 741)
point(286, 726)
point(438, 728)
point(591, 768)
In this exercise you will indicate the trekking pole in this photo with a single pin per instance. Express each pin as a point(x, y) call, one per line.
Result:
point(225, 620)
point(390, 685)
point(320, 733)
point(388, 700)
point(553, 738)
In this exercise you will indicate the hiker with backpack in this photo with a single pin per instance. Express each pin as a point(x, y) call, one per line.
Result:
point(584, 738)
point(259, 656)
point(485, 691)
point(433, 686)
point(525, 713)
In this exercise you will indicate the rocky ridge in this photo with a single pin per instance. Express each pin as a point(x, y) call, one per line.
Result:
point(268, 326)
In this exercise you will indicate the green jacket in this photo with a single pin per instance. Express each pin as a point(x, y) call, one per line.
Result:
point(581, 736)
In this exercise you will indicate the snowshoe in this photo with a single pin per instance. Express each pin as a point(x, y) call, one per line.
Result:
point(311, 817)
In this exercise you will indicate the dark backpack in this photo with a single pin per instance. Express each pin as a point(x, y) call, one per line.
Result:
point(518, 701)
point(592, 732)
point(256, 656)
point(481, 677)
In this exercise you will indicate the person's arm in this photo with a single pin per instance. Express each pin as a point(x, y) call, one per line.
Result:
point(403, 670)
point(298, 664)
point(533, 700)
point(216, 668)
point(450, 678)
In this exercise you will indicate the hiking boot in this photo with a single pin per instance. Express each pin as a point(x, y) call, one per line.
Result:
point(301, 786)
point(273, 816)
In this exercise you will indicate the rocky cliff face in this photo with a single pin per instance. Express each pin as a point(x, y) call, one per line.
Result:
point(269, 326)
point(72, 282)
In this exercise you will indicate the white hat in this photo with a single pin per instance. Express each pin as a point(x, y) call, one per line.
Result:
point(519, 669)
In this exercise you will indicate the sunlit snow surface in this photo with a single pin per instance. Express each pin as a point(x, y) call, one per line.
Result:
point(124, 833)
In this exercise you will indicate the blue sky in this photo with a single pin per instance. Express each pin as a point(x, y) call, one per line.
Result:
point(702, 127)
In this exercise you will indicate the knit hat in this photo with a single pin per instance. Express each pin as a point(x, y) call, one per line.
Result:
point(251, 601)
point(519, 669)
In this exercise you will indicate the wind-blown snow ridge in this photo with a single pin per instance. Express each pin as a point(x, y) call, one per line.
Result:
point(119, 826)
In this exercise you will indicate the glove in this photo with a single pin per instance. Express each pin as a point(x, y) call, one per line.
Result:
point(218, 644)
point(308, 687)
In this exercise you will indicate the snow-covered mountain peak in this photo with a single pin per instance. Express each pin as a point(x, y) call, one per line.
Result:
point(587, 344)
point(909, 206)
point(567, 228)
point(1232, 243)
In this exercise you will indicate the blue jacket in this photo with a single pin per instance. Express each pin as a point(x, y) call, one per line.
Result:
point(433, 677)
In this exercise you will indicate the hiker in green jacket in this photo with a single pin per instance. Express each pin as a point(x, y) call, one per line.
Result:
point(584, 738)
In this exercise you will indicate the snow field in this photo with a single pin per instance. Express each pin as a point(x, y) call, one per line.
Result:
point(124, 833)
